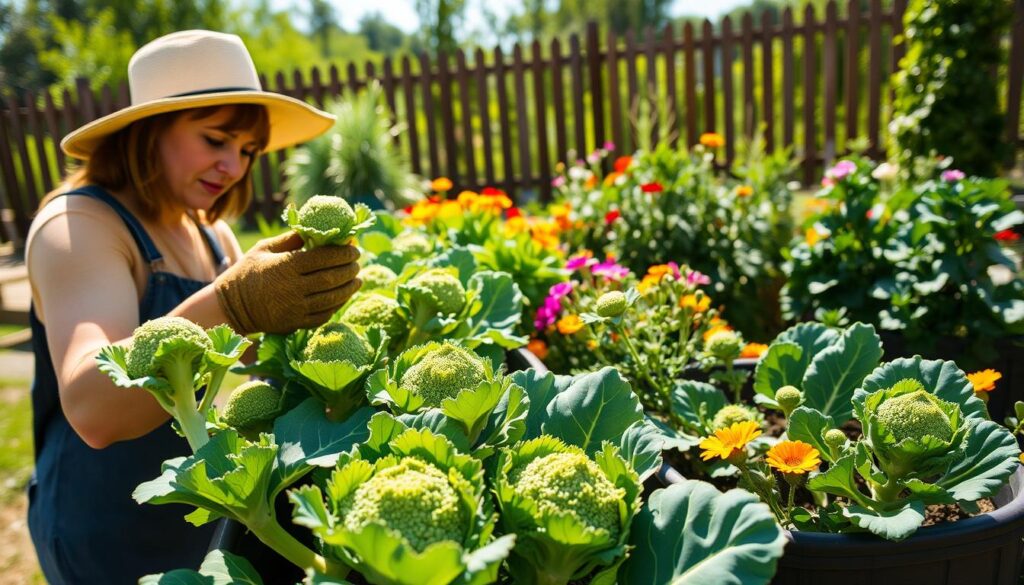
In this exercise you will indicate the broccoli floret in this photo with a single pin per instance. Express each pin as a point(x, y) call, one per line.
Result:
point(914, 415)
point(611, 304)
point(338, 342)
point(377, 276)
point(412, 244)
point(734, 413)
point(327, 212)
point(412, 498)
point(443, 373)
point(447, 293)
point(148, 336)
point(374, 309)
point(571, 483)
point(252, 405)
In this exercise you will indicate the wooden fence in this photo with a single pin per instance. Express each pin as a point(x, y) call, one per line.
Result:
point(506, 119)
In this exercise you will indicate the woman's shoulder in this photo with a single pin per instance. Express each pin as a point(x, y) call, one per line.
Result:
point(84, 221)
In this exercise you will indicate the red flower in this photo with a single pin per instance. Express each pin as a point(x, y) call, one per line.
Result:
point(652, 188)
point(611, 216)
point(513, 212)
point(408, 209)
point(622, 163)
point(1007, 236)
point(491, 191)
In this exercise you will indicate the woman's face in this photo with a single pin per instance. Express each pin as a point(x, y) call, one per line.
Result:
point(202, 161)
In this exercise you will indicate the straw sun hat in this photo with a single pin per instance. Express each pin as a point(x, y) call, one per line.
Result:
point(194, 69)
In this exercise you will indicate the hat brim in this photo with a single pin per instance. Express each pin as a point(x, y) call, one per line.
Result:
point(291, 121)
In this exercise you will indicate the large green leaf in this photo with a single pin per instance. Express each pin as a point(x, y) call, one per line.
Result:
point(501, 303)
point(781, 365)
point(596, 407)
point(218, 568)
point(990, 458)
point(940, 377)
point(838, 370)
point(541, 388)
point(690, 533)
point(697, 403)
point(895, 524)
point(641, 445)
point(813, 338)
point(809, 425)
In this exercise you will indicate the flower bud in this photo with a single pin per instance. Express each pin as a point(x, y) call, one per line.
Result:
point(835, 438)
point(611, 304)
point(725, 345)
point(788, 397)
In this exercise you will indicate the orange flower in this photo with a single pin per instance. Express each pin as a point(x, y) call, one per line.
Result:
point(516, 225)
point(744, 191)
point(560, 212)
point(492, 203)
point(538, 348)
point(467, 198)
point(793, 457)
point(591, 344)
point(985, 380)
point(423, 212)
point(441, 184)
point(813, 236)
point(712, 140)
point(610, 179)
point(622, 163)
point(730, 442)
point(715, 329)
point(569, 324)
point(698, 306)
point(659, 270)
point(591, 182)
point(753, 350)
point(650, 281)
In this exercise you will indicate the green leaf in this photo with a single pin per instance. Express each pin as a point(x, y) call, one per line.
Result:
point(690, 533)
point(472, 407)
point(641, 445)
point(541, 388)
point(991, 456)
point(459, 258)
point(697, 403)
point(596, 407)
point(385, 558)
point(942, 378)
point(809, 425)
point(837, 371)
point(837, 480)
point(782, 365)
point(895, 524)
point(813, 338)
point(501, 303)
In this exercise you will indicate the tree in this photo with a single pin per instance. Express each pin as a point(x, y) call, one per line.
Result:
point(321, 21)
point(439, 20)
point(381, 35)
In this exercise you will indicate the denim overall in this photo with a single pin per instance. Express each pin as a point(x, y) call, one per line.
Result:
point(85, 525)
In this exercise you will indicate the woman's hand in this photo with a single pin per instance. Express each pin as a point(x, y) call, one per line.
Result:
point(277, 287)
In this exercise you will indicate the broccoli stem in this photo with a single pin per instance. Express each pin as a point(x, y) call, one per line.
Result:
point(212, 389)
point(267, 529)
point(181, 376)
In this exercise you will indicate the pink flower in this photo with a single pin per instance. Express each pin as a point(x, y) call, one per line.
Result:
point(843, 169)
point(694, 277)
point(675, 270)
point(953, 175)
point(827, 182)
point(560, 290)
point(580, 261)
point(558, 181)
point(609, 146)
point(610, 270)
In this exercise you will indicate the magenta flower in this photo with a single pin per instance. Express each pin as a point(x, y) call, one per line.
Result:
point(953, 175)
point(675, 270)
point(579, 261)
point(610, 270)
point(694, 277)
point(560, 290)
point(843, 169)
point(609, 146)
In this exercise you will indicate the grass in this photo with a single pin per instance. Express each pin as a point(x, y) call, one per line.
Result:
point(16, 459)
point(7, 329)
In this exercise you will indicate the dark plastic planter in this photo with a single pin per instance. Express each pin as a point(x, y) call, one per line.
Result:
point(233, 537)
point(1008, 360)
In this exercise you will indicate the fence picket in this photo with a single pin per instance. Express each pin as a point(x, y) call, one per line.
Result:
point(810, 93)
point(541, 114)
point(579, 113)
point(690, 71)
point(410, 115)
point(614, 93)
point(1016, 77)
point(508, 173)
point(38, 133)
point(558, 97)
point(707, 57)
point(53, 128)
point(788, 83)
point(17, 136)
point(749, 104)
point(466, 113)
point(596, 90)
point(427, 91)
point(12, 192)
point(830, 65)
point(728, 97)
point(672, 108)
point(851, 79)
point(767, 81)
point(874, 76)
point(444, 80)
point(484, 107)
point(522, 116)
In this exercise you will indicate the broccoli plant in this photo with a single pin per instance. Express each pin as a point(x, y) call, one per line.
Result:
point(325, 220)
point(332, 362)
point(406, 508)
point(252, 407)
point(446, 386)
point(376, 309)
point(571, 514)
point(172, 358)
point(231, 477)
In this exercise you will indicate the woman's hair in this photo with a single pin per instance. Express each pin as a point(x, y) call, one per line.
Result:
point(129, 160)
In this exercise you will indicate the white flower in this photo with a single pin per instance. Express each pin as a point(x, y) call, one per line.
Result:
point(885, 171)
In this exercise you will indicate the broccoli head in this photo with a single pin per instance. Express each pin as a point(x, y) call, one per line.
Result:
point(327, 212)
point(148, 336)
point(914, 415)
point(446, 292)
point(412, 243)
point(724, 345)
point(570, 482)
point(377, 276)
point(413, 499)
point(252, 405)
point(734, 413)
point(374, 309)
point(444, 373)
point(612, 304)
point(338, 342)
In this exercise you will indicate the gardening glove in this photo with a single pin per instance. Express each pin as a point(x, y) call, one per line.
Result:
point(277, 287)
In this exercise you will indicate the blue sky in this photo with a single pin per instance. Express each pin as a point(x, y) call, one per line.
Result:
point(402, 14)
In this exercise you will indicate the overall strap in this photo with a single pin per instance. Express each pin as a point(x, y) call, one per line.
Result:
point(220, 260)
point(149, 252)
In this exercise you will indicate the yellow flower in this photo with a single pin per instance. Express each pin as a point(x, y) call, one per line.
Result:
point(753, 350)
point(985, 380)
point(610, 179)
point(1021, 457)
point(441, 184)
point(538, 348)
point(492, 203)
point(794, 457)
point(449, 209)
point(591, 344)
point(569, 324)
point(467, 198)
point(516, 225)
point(423, 212)
point(650, 281)
point(698, 306)
point(730, 441)
point(813, 236)
point(545, 234)
point(712, 140)
point(744, 191)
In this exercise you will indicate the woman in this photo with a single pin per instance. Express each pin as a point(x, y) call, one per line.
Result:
point(138, 233)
